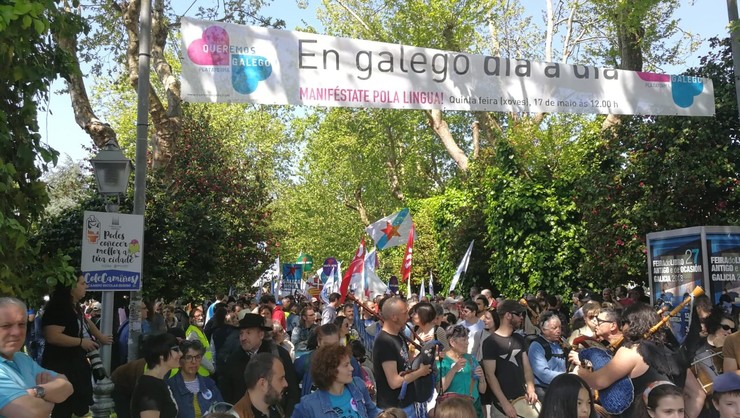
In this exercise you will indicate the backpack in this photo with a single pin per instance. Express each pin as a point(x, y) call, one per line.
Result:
point(545, 345)
point(423, 387)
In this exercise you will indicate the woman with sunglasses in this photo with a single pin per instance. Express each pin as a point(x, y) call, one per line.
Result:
point(194, 394)
point(707, 363)
point(152, 397)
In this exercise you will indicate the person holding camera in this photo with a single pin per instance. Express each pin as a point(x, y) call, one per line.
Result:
point(67, 346)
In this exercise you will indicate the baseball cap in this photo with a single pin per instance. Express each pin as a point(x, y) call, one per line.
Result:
point(509, 305)
point(726, 382)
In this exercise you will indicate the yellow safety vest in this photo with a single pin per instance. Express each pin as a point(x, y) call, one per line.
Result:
point(203, 340)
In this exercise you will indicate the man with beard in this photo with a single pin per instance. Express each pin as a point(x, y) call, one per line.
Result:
point(232, 382)
point(506, 363)
point(265, 380)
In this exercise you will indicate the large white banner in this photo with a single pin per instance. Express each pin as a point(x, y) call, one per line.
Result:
point(231, 63)
point(112, 250)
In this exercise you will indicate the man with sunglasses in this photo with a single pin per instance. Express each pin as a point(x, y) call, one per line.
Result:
point(506, 363)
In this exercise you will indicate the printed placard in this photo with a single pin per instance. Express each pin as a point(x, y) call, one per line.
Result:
point(112, 251)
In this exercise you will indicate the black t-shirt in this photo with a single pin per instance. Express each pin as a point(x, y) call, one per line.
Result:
point(153, 394)
point(507, 351)
point(64, 316)
point(389, 347)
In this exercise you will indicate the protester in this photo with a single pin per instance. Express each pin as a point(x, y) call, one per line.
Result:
point(252, 331)
point(26, 389)
point(280, 338)
point(644, 358)
point(546, 354)
point(193, 393)
point(67, 346)
point(195, 332)
point(608, 326)
point(264, 381)
point(300, 334)
point(454, 408)
point(460, 372)
point(568, 396)
point(330, 310)
point(506, 362)
point(151, 394)
point(726, 397)
point(339, 394)
point(661, 399)
point(391, 357)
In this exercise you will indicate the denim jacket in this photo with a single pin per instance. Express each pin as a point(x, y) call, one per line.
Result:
point(318, 404)
point(208, 394)
point(302, 367)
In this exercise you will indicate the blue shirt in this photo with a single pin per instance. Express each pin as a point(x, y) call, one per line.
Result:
point(546, 370)
point(17, 376)
point(319, 404)
point(344, 405)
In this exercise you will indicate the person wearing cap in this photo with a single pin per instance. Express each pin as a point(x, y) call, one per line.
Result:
point(726, 396)
point(252, 329)
point(506, 363)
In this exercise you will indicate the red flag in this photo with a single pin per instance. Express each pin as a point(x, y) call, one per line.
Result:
point(355, 267)
point(406, 266)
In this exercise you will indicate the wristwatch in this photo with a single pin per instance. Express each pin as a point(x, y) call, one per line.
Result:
point(40, 391)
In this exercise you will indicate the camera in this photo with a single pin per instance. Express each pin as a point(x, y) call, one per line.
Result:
point(96, 364)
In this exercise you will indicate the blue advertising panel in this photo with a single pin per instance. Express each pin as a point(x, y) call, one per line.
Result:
point(724, 267)
point(676, 268)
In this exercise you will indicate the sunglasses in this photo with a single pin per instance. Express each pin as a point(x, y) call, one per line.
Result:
point(728, 328)
point(600, 321)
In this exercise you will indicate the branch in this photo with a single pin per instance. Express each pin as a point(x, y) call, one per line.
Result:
point(550, 32)
point(476, 139)
point(440, 127)
point(99, 131)
point(161, 67)
point(568, 34)
point(392, 165)
point(360, 207)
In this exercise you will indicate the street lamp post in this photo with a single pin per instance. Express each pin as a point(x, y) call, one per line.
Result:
point(112, 171)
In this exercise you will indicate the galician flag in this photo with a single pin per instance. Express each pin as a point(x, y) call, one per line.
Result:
point(462, 268)
point(391, 230)
point(354, 272)
point(406, 266)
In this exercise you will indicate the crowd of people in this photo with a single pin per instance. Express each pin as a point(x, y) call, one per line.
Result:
point(294, 356)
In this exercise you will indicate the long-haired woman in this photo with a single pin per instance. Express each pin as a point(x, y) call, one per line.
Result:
point(644, 358)
point(68, 335)
point(568, 396)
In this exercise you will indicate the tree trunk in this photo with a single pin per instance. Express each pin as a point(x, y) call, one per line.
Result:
point(440, 127)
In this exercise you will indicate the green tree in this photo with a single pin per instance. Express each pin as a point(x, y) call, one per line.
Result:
point(29, 61)
point(660, 173)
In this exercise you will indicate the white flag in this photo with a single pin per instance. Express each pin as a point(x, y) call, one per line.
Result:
point(422, 291)
point(392, 230)
point(462, 268)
